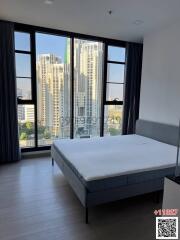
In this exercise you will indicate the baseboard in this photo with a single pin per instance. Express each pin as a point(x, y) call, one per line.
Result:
point(35, 154)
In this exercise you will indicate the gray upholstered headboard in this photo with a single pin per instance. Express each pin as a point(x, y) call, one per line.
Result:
point(158, 131)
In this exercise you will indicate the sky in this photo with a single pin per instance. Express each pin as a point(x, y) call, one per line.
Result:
point(46, 43)
point(50, 44)
point(116, 54)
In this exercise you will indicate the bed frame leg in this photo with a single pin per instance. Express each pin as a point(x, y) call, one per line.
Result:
point(157, 197)
point(86, 215)
point(52, 161)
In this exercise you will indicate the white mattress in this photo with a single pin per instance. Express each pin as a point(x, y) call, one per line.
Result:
point(99, 158)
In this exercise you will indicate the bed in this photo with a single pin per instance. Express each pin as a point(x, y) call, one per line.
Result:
point(106, 169)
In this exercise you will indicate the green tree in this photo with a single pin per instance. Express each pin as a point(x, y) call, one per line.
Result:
point(113, 131)
point(41, 129)
point(23, 136)
point(28, 125)
point(28, 128)
point(47, 134)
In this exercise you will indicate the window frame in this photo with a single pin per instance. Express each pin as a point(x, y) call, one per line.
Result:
point(32, 30)
point(33, 99)
point(29, 53)
point(95, 39)
point(106, 61)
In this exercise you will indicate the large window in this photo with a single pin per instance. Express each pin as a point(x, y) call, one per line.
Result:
point(26, 109)
point(114, 88)
point(87, 87)
point(53, 87)
point(67, 86)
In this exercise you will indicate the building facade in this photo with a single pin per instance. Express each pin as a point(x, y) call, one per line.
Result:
point(50, 85)
point(53, 88)
point(87, 87)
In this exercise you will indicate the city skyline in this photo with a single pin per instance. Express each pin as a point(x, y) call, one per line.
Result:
point(53, 91)
point(53, 79)
point(52, 44)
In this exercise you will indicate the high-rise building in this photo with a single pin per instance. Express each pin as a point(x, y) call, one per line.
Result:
point(67, 76)
point(53, 87)
point(50, 84)
point(87, 87)
point(21, 111)
point(29, 113)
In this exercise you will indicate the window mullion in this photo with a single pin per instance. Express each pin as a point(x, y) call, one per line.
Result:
point(33, 84)
point(110, 106)
point(104, 79)
point(72, 90)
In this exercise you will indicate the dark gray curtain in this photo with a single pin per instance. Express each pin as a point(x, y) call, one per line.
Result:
point(132, 87)
point(9, 144)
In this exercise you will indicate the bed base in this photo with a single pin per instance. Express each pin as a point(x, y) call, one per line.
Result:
point(89, 199)
point(158, 131)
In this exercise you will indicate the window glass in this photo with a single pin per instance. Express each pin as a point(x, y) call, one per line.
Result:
point(53, 79)
point(24, 88)
point(22, 41)
point(114, 92)
point(26, 125)
point(87, 87)
point(115, 73)
point(113, 120)
point(116, 54)
point(23, 65)
point(53, 87)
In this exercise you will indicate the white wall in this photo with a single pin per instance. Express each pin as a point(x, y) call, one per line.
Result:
point(160, 88)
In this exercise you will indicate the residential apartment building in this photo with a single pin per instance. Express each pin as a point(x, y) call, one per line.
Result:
point(87, 84)
point(50, 84)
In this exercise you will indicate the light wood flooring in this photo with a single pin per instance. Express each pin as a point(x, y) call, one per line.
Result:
point(37, 203)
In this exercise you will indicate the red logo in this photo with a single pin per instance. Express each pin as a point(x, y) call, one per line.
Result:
point(166, 212)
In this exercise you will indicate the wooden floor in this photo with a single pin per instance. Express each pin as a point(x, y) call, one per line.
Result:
point(36, 203)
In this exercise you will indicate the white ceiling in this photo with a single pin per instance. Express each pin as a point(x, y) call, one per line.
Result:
point(91, 16)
